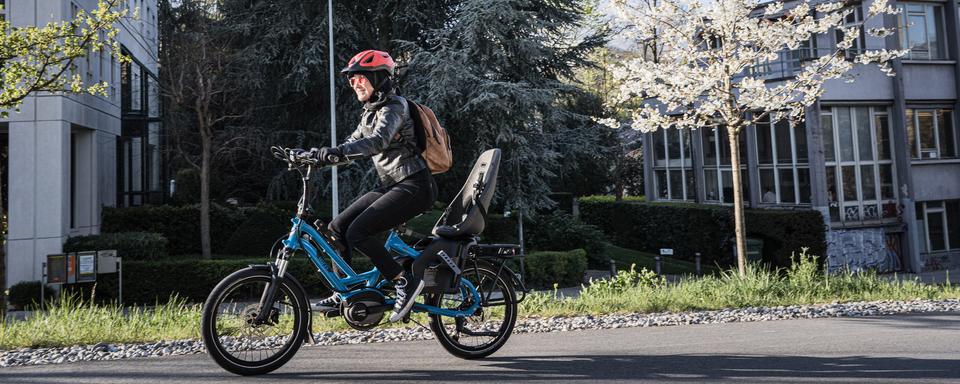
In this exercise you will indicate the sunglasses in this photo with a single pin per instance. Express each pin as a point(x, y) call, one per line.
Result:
point(357, 79)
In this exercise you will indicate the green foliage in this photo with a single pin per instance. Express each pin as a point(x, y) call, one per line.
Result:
point(255, 235)
point(249, 231)
point(560, 231)
point(625, 257)
point(71, 321)
point(627, 279)
point(74, 321)
point(188, 186)
point(493, 74)
point(611, 199)
point(26, 294)
point(38, 58)
point(547, 269)
point(708, 229)
point(146, 282)
point(129, 245)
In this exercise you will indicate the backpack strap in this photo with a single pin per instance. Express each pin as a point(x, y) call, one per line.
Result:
point(419, 131)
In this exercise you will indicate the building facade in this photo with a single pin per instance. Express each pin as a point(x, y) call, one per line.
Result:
point(878, 157)
point(67, 155)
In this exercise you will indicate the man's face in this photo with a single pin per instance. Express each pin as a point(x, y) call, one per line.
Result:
point(361, 86)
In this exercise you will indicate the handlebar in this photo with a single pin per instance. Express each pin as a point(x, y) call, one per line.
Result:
point(298, 157)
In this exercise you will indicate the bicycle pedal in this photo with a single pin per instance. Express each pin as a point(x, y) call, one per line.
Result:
point(335, 312)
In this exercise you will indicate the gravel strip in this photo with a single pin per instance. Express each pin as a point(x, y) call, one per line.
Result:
point(104, 351)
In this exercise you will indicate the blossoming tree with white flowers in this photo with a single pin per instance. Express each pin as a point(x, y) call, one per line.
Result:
point(703, 75)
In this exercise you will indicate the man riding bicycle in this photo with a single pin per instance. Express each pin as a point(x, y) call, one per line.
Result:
point(386, 134)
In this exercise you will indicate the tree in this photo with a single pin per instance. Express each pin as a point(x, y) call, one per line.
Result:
point(493, 74)
point(38, 58)
point(35, 58)
point(705, 73)
point(201, 82)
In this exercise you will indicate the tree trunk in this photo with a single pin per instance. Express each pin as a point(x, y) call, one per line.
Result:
point(732, 136)
point(3, 252)
point(205, 195)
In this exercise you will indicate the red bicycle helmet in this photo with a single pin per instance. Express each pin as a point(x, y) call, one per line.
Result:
point(370, 60)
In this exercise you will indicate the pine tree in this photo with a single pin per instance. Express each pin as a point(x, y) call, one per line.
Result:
point(493, 74)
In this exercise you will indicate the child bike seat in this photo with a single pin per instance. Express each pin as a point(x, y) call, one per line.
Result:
point(466, 215)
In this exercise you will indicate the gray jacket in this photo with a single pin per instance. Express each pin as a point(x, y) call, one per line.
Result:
point(385, 133)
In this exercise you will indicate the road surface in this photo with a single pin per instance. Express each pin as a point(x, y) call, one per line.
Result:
point(916, 348)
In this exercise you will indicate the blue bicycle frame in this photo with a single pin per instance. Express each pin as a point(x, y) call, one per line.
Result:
point(304, 236)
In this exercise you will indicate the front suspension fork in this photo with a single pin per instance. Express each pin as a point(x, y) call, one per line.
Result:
point(277, 270)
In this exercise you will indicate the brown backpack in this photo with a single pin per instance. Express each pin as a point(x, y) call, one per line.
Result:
point(432, 139)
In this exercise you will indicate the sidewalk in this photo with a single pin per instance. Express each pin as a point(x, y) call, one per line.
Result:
point(951, 276)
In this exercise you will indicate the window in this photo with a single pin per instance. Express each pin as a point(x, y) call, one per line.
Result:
point(854, 19)
point(131, 80)
point(931, 133)
point(940, 222)
point(673, 166)
point(859, 166)
point(153, 96)
point(136, 81)
point(3, 10)
point(717, 169)
point(922, 31)
point(782, 162)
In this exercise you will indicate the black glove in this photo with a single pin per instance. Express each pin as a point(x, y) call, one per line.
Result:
point(330, 155)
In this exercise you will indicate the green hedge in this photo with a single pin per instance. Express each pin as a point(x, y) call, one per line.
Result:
point(245, 231)
point(130, 245)
point(26, 294)
point(708, 229)
point(148, 282)
point(560, 231)
point(544, 269)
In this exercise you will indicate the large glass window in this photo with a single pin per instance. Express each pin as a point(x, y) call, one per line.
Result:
point(782, 163)
point(717, 168)
point(922, 30)
point(854, 19)
point(940, 222)
point(931, 133)
point(673, 165)
point(859, 167)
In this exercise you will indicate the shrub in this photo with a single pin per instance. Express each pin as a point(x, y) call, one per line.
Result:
point(708, 229)
point(133, 245)
point(560, 231)
point(179, 224)
point(147, 282)
point(565, 269)
point(26, 294)
point(262, 227)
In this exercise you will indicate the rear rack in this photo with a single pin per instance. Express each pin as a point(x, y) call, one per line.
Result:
point(499, 255)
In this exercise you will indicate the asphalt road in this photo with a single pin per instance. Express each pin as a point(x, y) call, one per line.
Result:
point(918, 348)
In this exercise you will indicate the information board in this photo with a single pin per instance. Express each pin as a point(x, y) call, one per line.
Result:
point(86, 267)
point(56, 269)
point(107, 261)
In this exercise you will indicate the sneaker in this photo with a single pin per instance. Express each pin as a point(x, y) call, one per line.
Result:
point(408, 288)
point(332, 302)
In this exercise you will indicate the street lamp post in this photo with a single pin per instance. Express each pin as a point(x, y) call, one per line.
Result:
point(333, 114)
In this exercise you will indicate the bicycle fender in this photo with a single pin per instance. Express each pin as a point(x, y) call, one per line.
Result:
point(303, 291)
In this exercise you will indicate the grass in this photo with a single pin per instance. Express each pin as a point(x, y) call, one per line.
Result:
point(70, 321)
point(626, 257)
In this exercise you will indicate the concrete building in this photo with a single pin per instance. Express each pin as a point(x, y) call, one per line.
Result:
point(878, 157)
point(69, 155)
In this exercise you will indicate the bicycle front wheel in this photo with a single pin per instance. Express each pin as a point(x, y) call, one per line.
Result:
point(484, 332)
point(233, 338)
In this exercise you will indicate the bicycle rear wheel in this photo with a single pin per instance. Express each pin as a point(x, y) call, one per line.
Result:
point(484, 332)
point(230, 334)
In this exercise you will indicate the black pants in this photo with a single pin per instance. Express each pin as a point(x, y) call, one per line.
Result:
point(378, 211)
